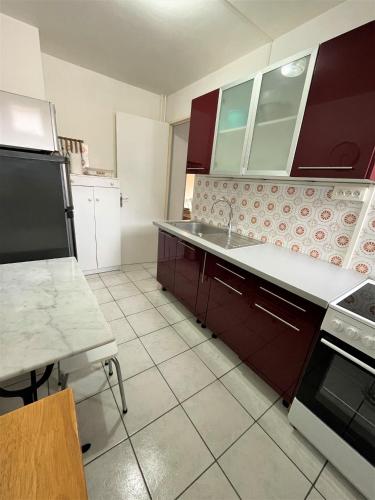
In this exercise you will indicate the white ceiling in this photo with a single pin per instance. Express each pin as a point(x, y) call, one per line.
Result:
point(159, 45)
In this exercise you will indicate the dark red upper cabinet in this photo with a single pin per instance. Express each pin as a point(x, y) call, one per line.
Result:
point(337, 137)
point(201, 133)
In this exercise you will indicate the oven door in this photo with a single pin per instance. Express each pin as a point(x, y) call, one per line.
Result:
point(339, 388)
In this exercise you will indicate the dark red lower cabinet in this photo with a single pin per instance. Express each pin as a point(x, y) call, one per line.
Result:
point(167, 247)
point(227, 315)
point(187, 270)
point(203, 293)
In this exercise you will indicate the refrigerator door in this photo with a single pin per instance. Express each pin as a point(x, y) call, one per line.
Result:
point(35, 221)
point(27, 123)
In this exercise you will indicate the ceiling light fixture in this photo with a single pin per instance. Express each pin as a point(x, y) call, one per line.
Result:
point(293, 69)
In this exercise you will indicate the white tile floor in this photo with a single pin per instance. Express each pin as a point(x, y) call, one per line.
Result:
point(200, 425)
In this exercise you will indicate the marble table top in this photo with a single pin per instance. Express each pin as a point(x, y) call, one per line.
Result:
point(47, 313)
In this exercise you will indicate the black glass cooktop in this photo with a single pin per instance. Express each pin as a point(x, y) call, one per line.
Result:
point(361, 302)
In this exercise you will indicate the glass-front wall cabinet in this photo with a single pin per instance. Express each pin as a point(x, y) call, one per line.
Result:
point(231, 129)
point(277, 111)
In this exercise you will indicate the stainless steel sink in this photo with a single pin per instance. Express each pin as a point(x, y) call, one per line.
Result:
point(216, 235)
point(197, 228)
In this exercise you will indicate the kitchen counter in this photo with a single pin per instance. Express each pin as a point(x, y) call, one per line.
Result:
point(47, 313)
point(315, 280)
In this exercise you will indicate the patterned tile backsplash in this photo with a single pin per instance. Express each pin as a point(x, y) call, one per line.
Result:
point(303, 218)
point(363, 258)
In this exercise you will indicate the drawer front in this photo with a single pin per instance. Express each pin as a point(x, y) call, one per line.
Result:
point(228, 275)
point(286, 305)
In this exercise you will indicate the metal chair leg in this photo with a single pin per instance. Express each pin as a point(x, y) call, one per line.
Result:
point(120, 383)
point(110, 368)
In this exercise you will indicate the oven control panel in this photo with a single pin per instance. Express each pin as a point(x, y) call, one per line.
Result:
point(351, 331)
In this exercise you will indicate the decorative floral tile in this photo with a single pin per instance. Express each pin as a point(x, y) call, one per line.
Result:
point(302, 218)
point(363, 258)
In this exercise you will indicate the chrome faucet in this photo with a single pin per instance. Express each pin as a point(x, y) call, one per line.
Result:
point(230, 217)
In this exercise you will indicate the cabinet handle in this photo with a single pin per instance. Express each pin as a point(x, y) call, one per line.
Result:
point(89, 199)
point(187, 246)
point(196, 168)
point(282, 298)
point(229, 270)
point(325, 168)
point(277, 317)
point(228, 286)
point(97, 199)
point(204, 266)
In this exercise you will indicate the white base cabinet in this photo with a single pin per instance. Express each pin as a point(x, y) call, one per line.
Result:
point(97, 222)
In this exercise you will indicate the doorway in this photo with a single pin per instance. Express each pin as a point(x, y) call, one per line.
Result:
point(180, 184)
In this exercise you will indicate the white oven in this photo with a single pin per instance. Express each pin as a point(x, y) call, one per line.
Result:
point(335, 404)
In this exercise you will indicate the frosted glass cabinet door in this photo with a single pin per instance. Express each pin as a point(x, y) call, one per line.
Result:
point(278, 107)
point(231, 128)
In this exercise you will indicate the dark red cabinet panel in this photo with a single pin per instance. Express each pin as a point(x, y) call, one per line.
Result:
point(167, 246)
point(201, 133)
point(187, 269)
point(203, 291)
point(339, 120)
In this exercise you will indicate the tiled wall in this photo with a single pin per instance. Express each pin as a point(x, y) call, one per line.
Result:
point(363, 258)
point(302, 218)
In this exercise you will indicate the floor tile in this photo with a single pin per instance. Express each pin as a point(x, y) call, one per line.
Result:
point(147, 322)
point(192, 332)
point(159, 297)
point(132, 267)
point(252, 392)
point(124, 290)
point(134, 304)
point(115, 475)
point(299, 450)
point(95, 283)
point(174, 312)
point(314, 495)
point(149, 265)
point(333, 485)
point(115, 279)
point(258, 469)
point(163, 344)
point(171, 454)
point(212, 485)
point(111, 311)
point(85, 383)
point(133, 359)
point(217, 356)
point(103, 296)
point(110, 273)
point(122, 330)
point(186, 374)
point(10, 404)
point(148, 285)
point(147, 396)
point(99, 423)
point(219, 418)
point(138, 275)
point(91, 276)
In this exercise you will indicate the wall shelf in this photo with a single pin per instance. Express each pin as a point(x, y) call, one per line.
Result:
point(278, 120)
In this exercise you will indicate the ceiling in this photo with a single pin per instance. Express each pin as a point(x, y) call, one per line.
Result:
point(159, 45)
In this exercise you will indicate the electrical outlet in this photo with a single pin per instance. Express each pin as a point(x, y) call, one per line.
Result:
point(350, 192)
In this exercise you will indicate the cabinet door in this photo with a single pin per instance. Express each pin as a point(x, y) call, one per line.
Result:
point(84, 223)
point(188, 262)
point(280, 104)
point(107, 216)
point(337, 133)
point(231, 129)
point(201, 133)
point(281, 329)
point(203, 291)
point(166, 260)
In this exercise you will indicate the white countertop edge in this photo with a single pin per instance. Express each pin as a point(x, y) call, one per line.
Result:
point(321, 299)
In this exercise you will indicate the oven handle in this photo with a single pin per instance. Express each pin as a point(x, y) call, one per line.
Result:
point(348, 356)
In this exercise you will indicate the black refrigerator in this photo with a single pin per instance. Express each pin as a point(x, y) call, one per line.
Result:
point(36, 209)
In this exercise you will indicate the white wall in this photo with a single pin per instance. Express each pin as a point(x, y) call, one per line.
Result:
point(340, 19)
point(86, 103)
point(21, 70)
